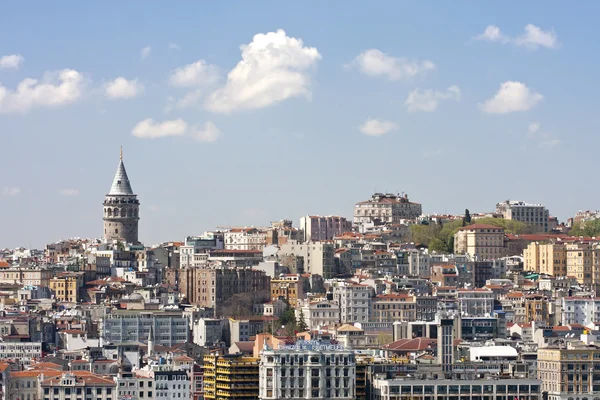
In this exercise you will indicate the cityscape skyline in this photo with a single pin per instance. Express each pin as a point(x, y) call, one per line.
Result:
point(457, 118)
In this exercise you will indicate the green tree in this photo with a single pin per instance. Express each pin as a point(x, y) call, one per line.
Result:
point(509, 226)
point(287, 317)
point(467, 216)
point(302, 327)
point(587, 229)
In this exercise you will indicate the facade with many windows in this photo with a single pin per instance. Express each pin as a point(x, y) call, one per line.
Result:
point(78, 385)
point(308, 370)
point(169, 327)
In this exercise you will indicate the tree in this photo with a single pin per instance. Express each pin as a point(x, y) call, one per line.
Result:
point(509, 225)
point(302, 327)
point(587, 229)
point(467, 216)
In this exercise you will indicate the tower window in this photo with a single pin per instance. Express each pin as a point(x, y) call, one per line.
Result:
point(118, 182)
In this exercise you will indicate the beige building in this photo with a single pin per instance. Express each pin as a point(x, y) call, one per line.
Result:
point(385, 209)
point(31, 276)
point(319, 257)
point(66, 285)
point(289, 288)
point(394, 307)
point(245, 239)
point(323, 228)
point(580, 262)
point(480, 240)
point(569, 372)
point(546, 258)
point(534, 215)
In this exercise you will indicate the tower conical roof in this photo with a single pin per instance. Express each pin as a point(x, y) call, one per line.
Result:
point(120, 185)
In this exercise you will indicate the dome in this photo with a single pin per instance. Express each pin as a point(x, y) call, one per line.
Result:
point(136, 297)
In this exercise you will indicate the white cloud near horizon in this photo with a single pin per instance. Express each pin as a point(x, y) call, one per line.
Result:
point(151, 129)
point(377, 127)
point(374, 62)
point(195, 74)
point(274, 67)
point(543, 139)
point(145, 52)
point(12, 61)
point(121, 88)
point(428, 100)
point(10, 191)
point(533, 37)
point(54, 90)
point(511, 97)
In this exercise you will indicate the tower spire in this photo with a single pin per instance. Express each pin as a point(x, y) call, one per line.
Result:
point(121, 155)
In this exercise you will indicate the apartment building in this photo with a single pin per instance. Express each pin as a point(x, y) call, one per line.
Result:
point(307, 370)
point(580, 310)
point(194, 251)
point(546, 258)
point(581, 260)
point(168, 327)
point(25, 352)
point(245, 239)
point(26, 275)
point(172, 385)
point(480, 240)
point(475, 302)
point(78, 384)
point(534, 215)
point(135, 387)
point(231, 376)
point(289, 288)
point(319, 314)
point(385, 209)
point(209, 287)
point(570, 372)
point(354, 301)
point(317, 228)
point(66, 285)
point(319, 257)
point(393, 307)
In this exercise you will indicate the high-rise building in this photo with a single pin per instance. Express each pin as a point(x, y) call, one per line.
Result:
point(121, 209)
point(230, 376)
point(534, 215)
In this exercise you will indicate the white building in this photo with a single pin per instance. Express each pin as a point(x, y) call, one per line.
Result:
point(419, 263)
point(207, 331)
point(245, 239)
point(320, 313)
point(475, 302)
point(135, 387)
point(74, 385)
point(172, 385)
point(22, 351)
point(354, 301)
point(194, 251)
point(534, 215)
point(385, 209)
point(307, 370)
point(580, 310)
point(319, 257)
point(318, 228)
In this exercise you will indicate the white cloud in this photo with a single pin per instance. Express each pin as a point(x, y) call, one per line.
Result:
point(150, 129)
point(9, 191)
point(208, 133)
point(374, 62)
point(174, 46)
point(69, 192)
point(428, 100)
point(195, 74)
point(533, 37)
point(121, 88)
point(56, 89)
point(274, 68)
point(12, 61)
point(377, 127)
point(533, 127)
point(511, 97)
point(145, 53)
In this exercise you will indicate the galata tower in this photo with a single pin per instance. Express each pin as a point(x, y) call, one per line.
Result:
point(121, 209)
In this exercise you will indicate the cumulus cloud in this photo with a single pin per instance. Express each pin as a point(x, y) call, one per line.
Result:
point(121, 88)
point(54, 90)
point(511, 97)
point(533, 37)
point(151, 129)
point(428, 100)
point(195, 74)
point(208, 133)
point(145, 52)
point(10, 191)
point(374, 62)
point(377, 127)
point(274, 68)
point(12, 61)
point(69, 192)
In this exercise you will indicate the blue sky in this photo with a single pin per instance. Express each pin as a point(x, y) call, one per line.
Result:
point(460, 105)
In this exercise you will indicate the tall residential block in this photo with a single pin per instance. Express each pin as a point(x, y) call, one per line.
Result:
point(534, 215)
